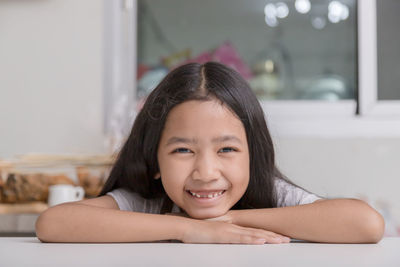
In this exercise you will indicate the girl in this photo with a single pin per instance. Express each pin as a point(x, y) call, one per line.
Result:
point(199, 167)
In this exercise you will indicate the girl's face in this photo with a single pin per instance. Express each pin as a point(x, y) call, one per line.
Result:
point(204, 159)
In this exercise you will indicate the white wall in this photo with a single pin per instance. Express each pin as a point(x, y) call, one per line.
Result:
point(51, 95)
point(345, 167)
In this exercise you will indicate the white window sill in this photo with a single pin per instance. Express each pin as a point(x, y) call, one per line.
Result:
point(331, 120)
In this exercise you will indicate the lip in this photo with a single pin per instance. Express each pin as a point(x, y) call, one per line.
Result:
point(204, 191)
point(205, 201)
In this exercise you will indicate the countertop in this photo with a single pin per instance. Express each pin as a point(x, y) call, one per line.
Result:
point(29, 251)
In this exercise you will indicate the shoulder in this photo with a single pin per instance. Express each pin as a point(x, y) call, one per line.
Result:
point(133, 201)
point(292, 195)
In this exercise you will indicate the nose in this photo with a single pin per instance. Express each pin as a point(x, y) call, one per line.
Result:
point(206, 168)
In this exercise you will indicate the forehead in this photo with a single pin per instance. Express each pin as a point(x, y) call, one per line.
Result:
point(203, 119)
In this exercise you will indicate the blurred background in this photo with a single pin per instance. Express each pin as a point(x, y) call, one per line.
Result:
point(74, 74)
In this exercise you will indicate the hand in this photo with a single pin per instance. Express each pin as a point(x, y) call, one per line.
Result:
point(227, 217)
point(180, 214)
point(206, 231)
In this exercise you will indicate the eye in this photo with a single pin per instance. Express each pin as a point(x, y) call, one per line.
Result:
point(181, 150)
point(228, 149)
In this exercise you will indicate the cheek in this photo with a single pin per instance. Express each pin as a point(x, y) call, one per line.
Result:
point(173, 177)
point(239, 175)
point(175, 168)
point(240, 182)
point(173, 188)
point(239, 166)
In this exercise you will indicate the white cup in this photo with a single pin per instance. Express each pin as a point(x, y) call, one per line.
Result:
point(62, 193)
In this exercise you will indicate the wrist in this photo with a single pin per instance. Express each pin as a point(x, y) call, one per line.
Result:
point(184, 225)
point(234, 216)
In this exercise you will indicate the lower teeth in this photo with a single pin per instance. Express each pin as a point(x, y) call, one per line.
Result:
point(213, 196)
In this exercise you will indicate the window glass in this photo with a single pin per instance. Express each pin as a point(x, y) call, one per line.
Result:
point(388, 38)
point(293, 49)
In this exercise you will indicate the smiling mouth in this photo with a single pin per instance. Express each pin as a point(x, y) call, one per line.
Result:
point(206, 195)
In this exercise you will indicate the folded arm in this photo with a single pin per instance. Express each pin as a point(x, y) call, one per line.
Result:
point(331, 221)
point(99, 220)
point(73, 222)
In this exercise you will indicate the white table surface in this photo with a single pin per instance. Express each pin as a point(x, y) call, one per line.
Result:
point(23, 251)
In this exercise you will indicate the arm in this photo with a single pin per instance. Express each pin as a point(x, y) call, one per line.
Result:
point(333, 221)
point(77, 222)
point(100, 220)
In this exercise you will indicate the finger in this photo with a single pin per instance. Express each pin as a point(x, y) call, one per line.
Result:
point(275, 236)
point(248, 239)
point(270, 237)
point(255, 239)
point(285, 239)
point(248, 235)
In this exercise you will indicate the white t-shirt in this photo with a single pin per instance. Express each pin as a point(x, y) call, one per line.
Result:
point(288, 195)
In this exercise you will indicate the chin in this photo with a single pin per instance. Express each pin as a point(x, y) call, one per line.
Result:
point(201, 215)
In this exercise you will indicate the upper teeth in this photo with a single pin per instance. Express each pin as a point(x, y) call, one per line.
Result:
point(207, 196)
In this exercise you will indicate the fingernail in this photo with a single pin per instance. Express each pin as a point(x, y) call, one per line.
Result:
point(260, 240)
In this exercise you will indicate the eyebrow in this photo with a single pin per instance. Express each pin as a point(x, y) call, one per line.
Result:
point(220, 139)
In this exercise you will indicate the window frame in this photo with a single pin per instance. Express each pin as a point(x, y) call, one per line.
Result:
point(364, 117)
point(368, 64)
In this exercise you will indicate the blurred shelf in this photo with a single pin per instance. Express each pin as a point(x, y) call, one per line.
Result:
point(20, 219)
point(17, 223)
point(36, 207)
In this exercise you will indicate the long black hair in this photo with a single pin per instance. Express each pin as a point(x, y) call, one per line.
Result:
point(137, 163)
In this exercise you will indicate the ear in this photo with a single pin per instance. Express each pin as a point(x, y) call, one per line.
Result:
point(157, 176)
